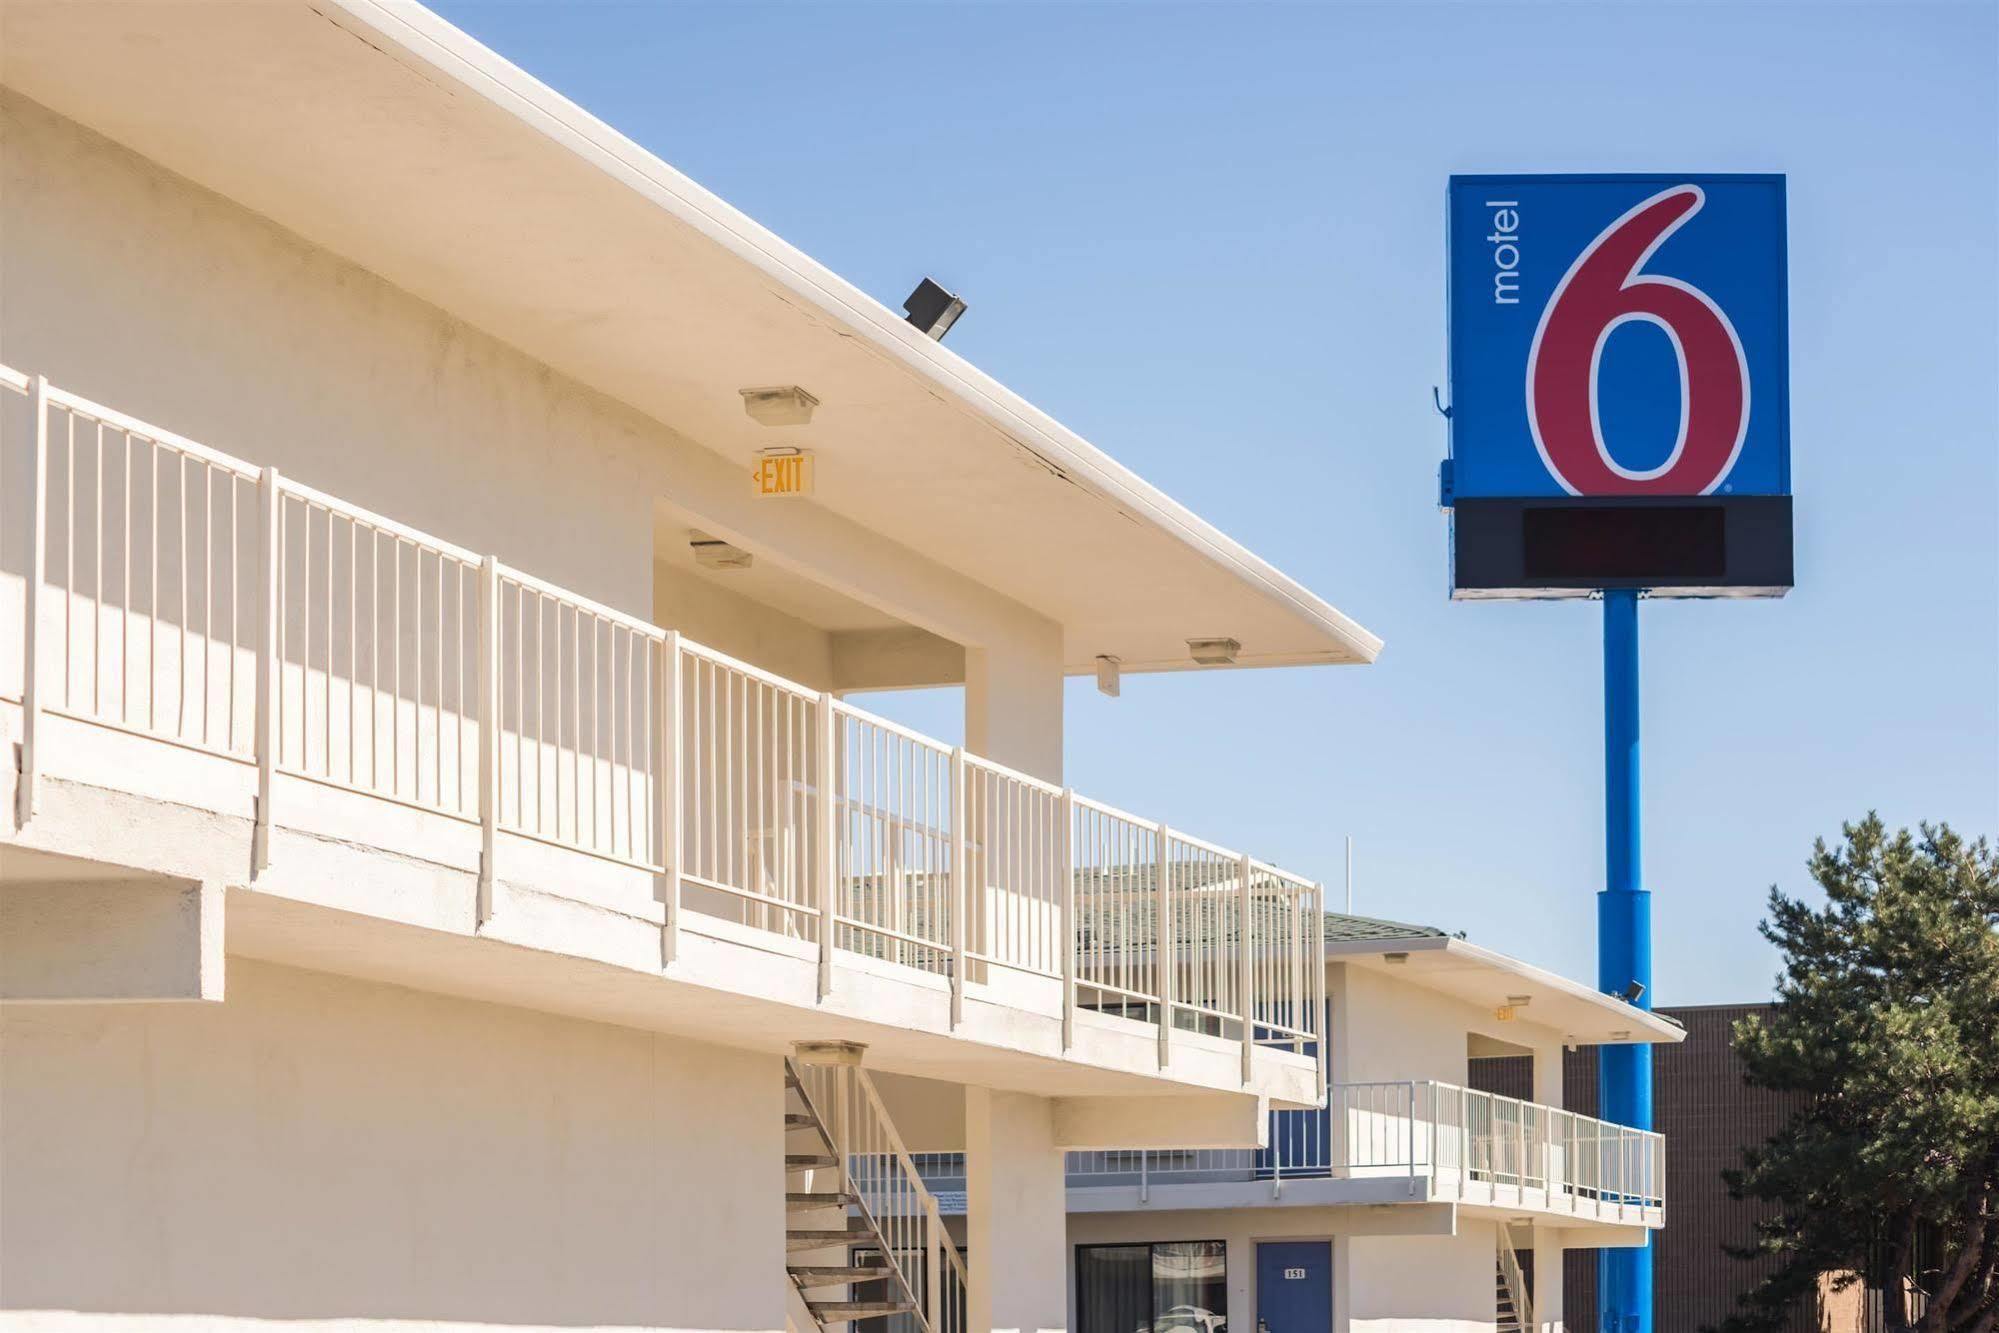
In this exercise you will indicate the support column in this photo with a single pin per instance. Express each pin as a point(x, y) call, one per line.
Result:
point(1013, 705)
point(1548, 1269)
point(1623, 946)
point(1016, 1215)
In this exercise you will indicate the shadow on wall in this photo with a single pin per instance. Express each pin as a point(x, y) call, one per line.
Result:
point(320, 1148)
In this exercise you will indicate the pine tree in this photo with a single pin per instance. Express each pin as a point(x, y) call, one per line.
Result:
point(1887, 1020)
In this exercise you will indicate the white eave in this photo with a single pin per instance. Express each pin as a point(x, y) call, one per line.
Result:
point(451, 172)
point(1583, 1015)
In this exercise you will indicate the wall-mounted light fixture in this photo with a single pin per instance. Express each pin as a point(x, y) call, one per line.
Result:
point(779, 405)
point(713, 553)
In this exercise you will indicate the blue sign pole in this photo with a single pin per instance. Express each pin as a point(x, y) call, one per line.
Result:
point(1623, 946)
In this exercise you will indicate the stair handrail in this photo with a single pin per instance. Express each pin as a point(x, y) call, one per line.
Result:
point(1516, 1281)
point(933, 1215)
point(932, 1312)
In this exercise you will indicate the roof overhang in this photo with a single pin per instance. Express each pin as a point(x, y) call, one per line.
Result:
point(385, 135)
point(1482, 977)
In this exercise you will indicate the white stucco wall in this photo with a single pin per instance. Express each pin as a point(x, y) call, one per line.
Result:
point(1389, 1029)
point(1438, 1284)
point(318, 1149)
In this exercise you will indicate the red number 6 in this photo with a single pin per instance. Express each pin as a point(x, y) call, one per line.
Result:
point(1602, 290)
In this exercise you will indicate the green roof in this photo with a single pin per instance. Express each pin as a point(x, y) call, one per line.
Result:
point(1341, 928)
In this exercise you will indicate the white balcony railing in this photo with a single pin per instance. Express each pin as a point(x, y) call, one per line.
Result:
point(176, 593)
point(1446, 1141)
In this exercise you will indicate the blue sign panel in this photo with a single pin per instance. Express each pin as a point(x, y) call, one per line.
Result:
point(1618, 336)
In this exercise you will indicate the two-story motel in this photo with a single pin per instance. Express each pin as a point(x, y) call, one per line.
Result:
point(1439, 1180)
point(445, 879)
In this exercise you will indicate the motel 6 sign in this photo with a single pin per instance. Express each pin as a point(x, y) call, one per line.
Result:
point(1620, 412)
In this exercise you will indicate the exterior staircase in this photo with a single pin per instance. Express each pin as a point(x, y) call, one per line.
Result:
point(1515, 1307)
point(857, 1213)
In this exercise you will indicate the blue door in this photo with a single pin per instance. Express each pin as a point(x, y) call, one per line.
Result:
point(1294, 1286)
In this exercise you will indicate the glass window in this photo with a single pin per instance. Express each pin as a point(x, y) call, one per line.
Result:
point(1168, 1287)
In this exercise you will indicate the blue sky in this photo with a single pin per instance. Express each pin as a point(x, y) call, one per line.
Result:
point(1209, 238)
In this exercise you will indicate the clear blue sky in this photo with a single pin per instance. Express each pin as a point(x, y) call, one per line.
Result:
point(1209, 238)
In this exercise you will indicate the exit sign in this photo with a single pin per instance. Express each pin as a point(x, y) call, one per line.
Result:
point(783, 472)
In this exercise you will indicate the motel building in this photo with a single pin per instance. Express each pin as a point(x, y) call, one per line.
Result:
point(449, 877)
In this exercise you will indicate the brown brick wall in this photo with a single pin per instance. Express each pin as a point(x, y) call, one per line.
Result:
point(1707, 1115)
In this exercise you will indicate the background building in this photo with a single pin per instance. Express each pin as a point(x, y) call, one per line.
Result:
point(1708, 1115)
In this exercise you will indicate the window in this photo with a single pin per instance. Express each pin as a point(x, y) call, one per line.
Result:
point(1167, 1287)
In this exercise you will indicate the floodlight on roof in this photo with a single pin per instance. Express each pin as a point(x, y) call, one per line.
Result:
point(932, 309)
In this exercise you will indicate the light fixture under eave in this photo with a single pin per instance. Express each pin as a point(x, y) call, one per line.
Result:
point(1214, 652)
point(713, 553)
point(1395, 957)
point(779, 405)
point(1107, 676)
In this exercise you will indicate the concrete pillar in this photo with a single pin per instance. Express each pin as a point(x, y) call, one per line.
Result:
point(1013, 704)
point(1548, 1281)
point(1016, 1215)
point(1548, 1073)
point(1547, 1241)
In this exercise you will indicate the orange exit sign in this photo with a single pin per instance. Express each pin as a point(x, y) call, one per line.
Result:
point(786, 472)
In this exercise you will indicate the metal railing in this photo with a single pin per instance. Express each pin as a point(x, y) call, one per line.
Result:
point(174, 592)
point(888, 1191)
point(1454, 1142)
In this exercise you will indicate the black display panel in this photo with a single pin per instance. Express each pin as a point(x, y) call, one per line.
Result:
point(1694, 546)
point(1590, 545)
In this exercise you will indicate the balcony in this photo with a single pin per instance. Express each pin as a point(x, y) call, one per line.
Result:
point(326, 672)
point(1378, 1143)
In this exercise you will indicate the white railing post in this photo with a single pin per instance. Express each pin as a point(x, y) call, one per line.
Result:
point(1409, 1138)
point(829, 843)
point(1065, 865)
point(933, 1276)
point(269, 679)
point(1321, 1011)
point(1164, 959)
point(1246, 962)
point(1623, 1169)
point(1430, 1091)
point(31, 629)
point(489, 734)
point(1464, 1142)
point(672, 797)
point(961, 880)
point(1519, 1151)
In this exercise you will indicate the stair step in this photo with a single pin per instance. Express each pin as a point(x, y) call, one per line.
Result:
point(797, 1199)
point(832, 1312)
point(819, 1238)
point(825, 1275)
point(798, 1120)
point(809, 1161)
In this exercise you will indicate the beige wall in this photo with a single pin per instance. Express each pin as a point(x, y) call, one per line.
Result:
point(319, 1148)
point(1440, 1284)
point(1390, 1029)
